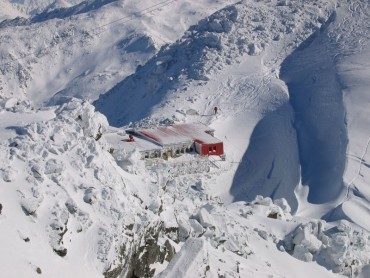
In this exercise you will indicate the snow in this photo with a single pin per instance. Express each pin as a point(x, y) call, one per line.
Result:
point(7, 11)
point(198, 132)
point(120, 143)
point(189, 258)
point(165, 136)
point(9, 121)
point(178, 134)
point(290, 80)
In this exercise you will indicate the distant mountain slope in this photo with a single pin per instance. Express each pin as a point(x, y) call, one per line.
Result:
point(33, 7)
point(225, 38)
point(7, 11)
point(79, 50)
point(53, 12)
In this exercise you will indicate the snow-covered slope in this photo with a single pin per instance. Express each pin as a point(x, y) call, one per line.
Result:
point(289, 79)
point(100, 43)
point(7, 11)
point(223, 48)
point(329, 120)
point(74, 199)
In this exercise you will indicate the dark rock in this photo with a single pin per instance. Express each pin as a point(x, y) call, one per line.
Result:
point(61, 252)
point(147, 254)
point(170, 251)
point(71, 206)
point(27, 210)
point(173, 233)
point(273, 215)
point(38, 270)
point(114, 272)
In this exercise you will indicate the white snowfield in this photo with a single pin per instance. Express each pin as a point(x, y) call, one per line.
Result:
point(290, 80)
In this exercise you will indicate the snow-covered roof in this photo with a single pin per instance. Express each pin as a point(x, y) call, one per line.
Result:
point(179, 134)
point(197, 132)
point(165, 135)
point(120, 142)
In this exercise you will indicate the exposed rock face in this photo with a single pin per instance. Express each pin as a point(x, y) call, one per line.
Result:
point(151, 248)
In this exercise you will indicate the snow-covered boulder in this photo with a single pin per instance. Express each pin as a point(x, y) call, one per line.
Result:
point(341, 248)
point(197, 228)
point(306, 238)
point(8, 174)
point(53, 166)
point(94, 124)
point(129, 161)
point(301, 253)
point(205, 218)
point(283, 204)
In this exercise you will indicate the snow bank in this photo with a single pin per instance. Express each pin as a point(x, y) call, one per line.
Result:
point(340, 247)
point(189, 261)
point(66, 181)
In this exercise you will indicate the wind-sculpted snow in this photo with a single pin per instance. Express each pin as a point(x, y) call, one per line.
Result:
point(316, 87)
point(352, 63)
point(68, 184)
point(316, 96)
point(243, 29)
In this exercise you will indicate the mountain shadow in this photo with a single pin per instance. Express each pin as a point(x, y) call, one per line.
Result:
point(270, 165)
point(315, 148)
point(319, 115)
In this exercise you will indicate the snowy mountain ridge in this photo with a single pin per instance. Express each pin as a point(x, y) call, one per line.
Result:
point(215, 42)
point(289, 79)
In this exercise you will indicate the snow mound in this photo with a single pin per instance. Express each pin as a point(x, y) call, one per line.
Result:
point(71, 186)
point(340, 247)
